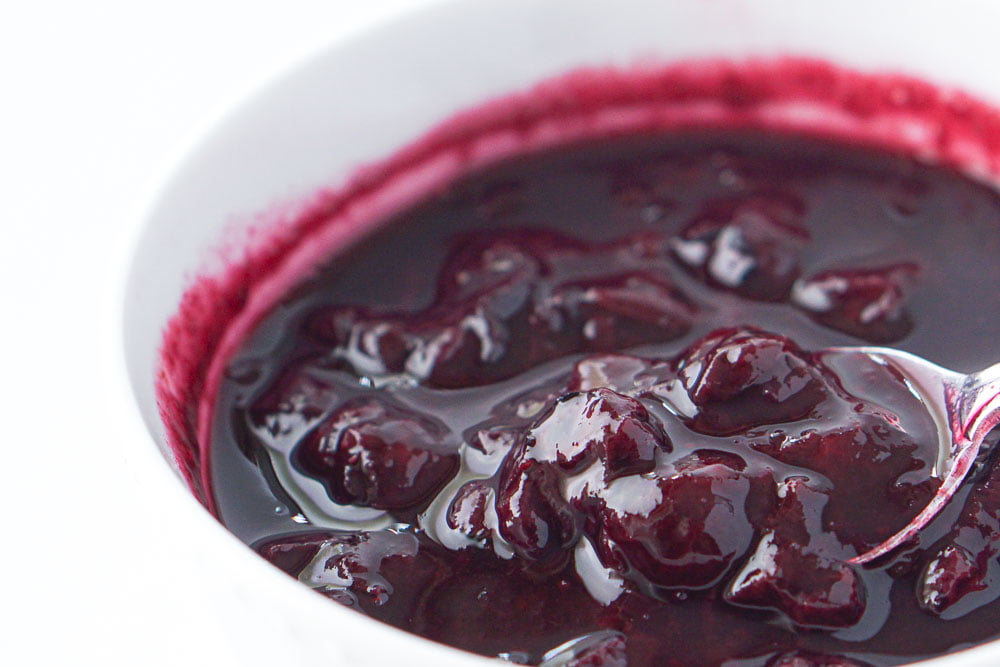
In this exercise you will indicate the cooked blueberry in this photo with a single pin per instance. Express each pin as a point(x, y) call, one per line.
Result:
point(533, 516)
point(492, 441)
point(480, 330)
point(379, 347)
point(684, 530)
point(597, 427)
point(967, 562)
point(291, 554)
point(741, 378)
point(300, 396)
point(867, 303)
point(622, 311)
point(343, 566)
point(750, 246)
point(951, 575)
point(461, 354)
point(882, 477)
point(373, 455)
point(798, 569)
point(599, 423)
point(482, 265)
point(467, 511)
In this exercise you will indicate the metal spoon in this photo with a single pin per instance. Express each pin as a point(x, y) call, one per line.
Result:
point(966, 408)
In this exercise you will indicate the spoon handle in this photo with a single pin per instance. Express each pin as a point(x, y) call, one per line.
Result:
point(978, 404)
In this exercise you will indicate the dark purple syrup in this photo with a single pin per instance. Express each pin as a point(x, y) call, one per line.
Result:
point(573, 398)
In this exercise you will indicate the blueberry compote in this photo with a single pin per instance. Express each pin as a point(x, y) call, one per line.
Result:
point(569, 411)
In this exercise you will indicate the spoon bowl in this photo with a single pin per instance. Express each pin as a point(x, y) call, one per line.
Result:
point(965, 408)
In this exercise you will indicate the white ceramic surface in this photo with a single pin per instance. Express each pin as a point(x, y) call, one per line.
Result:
point(358, 101)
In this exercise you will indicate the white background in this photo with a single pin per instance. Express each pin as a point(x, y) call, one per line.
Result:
point(95, 96)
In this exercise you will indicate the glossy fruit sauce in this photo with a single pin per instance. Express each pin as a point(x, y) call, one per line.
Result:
point(569, 409)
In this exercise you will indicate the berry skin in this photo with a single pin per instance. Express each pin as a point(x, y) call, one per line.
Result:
point(798, 569)
point(956, 578)
point(682, 530)
point(580, 430)
point(741, 378)
point(374, 455)
point(295, 401)
point(533, 516)
point(872, 464)
point(866, 303)
point(599, 423)
point(748, 246)
point(467, 511)
point(619, 312)
point(291, 554)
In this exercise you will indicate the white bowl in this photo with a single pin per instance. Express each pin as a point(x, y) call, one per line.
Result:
point(360, 100)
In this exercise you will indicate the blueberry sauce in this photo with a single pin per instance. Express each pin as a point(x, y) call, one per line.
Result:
point(568, 410)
